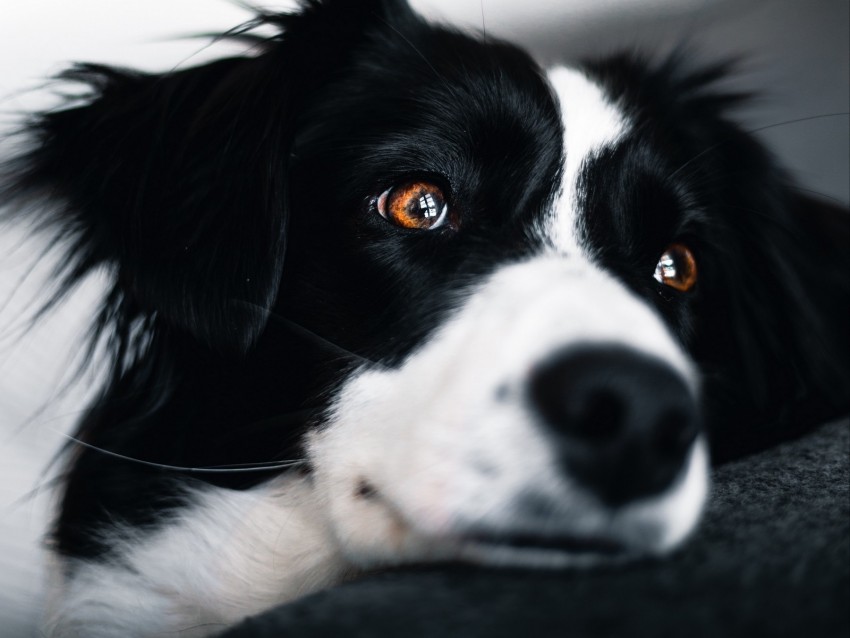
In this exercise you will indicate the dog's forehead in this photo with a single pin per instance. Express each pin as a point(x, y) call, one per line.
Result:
point(497, 102)
point(592, 123)
point(480, 115)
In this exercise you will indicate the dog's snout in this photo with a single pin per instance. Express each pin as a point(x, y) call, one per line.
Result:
point(624, 421)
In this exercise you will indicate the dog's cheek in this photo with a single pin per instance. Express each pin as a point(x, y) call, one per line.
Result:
point(349, 456)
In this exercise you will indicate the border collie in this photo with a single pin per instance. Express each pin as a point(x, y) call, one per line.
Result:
point(384, 293)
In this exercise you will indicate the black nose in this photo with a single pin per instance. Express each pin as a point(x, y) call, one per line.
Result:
point(623, 421)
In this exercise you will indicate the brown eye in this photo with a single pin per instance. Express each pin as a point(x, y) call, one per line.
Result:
point(677, 268)
point(415, 205)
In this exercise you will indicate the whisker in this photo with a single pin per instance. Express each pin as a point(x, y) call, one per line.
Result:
point(412, 46)
point(812, 191)
point(750, 132)
point(298, 328)
point(211, 469)
point(37, 419)
point(448, 85)
point(797, 121)
point(306, 332)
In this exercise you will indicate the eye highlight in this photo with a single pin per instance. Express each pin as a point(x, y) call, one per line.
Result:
point(677, 268)
point(415, 205)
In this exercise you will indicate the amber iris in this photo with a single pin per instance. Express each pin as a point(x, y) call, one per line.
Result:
point(677, 268)
point(414, 205)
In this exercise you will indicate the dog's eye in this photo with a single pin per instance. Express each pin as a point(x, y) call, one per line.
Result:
point(415, 205)
point(677, 268)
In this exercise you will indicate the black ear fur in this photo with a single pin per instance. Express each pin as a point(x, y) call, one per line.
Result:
point(773, 299)
point(786, 332)
point(178, 181)
point(774, 343)
point(151, 174)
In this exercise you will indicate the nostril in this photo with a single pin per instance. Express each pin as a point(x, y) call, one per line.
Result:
point(576, 398)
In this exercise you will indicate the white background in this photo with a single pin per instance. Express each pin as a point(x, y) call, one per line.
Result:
point(796, 54)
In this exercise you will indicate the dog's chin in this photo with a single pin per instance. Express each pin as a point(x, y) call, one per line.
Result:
point(405, 544)
point(373, 529)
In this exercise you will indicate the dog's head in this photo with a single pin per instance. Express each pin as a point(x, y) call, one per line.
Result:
point(532, 298)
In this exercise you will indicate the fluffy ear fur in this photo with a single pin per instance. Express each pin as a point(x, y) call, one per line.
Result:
point(782, 337)
point(773, 340)
point(178, 181)
point(773, 300)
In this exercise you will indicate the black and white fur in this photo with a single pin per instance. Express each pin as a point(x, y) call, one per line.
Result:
point(263, 312)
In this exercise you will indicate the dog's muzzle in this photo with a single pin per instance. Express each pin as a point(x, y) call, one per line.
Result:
point(551, 420)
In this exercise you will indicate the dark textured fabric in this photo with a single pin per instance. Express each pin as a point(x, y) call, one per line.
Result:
point(772, 558)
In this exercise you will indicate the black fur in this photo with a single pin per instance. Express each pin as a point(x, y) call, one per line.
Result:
point(767, 321)
point(233, 203)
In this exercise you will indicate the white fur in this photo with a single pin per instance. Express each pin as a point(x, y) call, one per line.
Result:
point(591, 123)
point(231, 555)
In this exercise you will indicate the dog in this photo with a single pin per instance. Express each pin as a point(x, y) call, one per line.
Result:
point(383, 292)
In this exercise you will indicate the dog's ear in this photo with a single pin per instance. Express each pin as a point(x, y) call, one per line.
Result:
point(785, 331)
point(821, 257)
point(772, 304)
point(178, 181)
